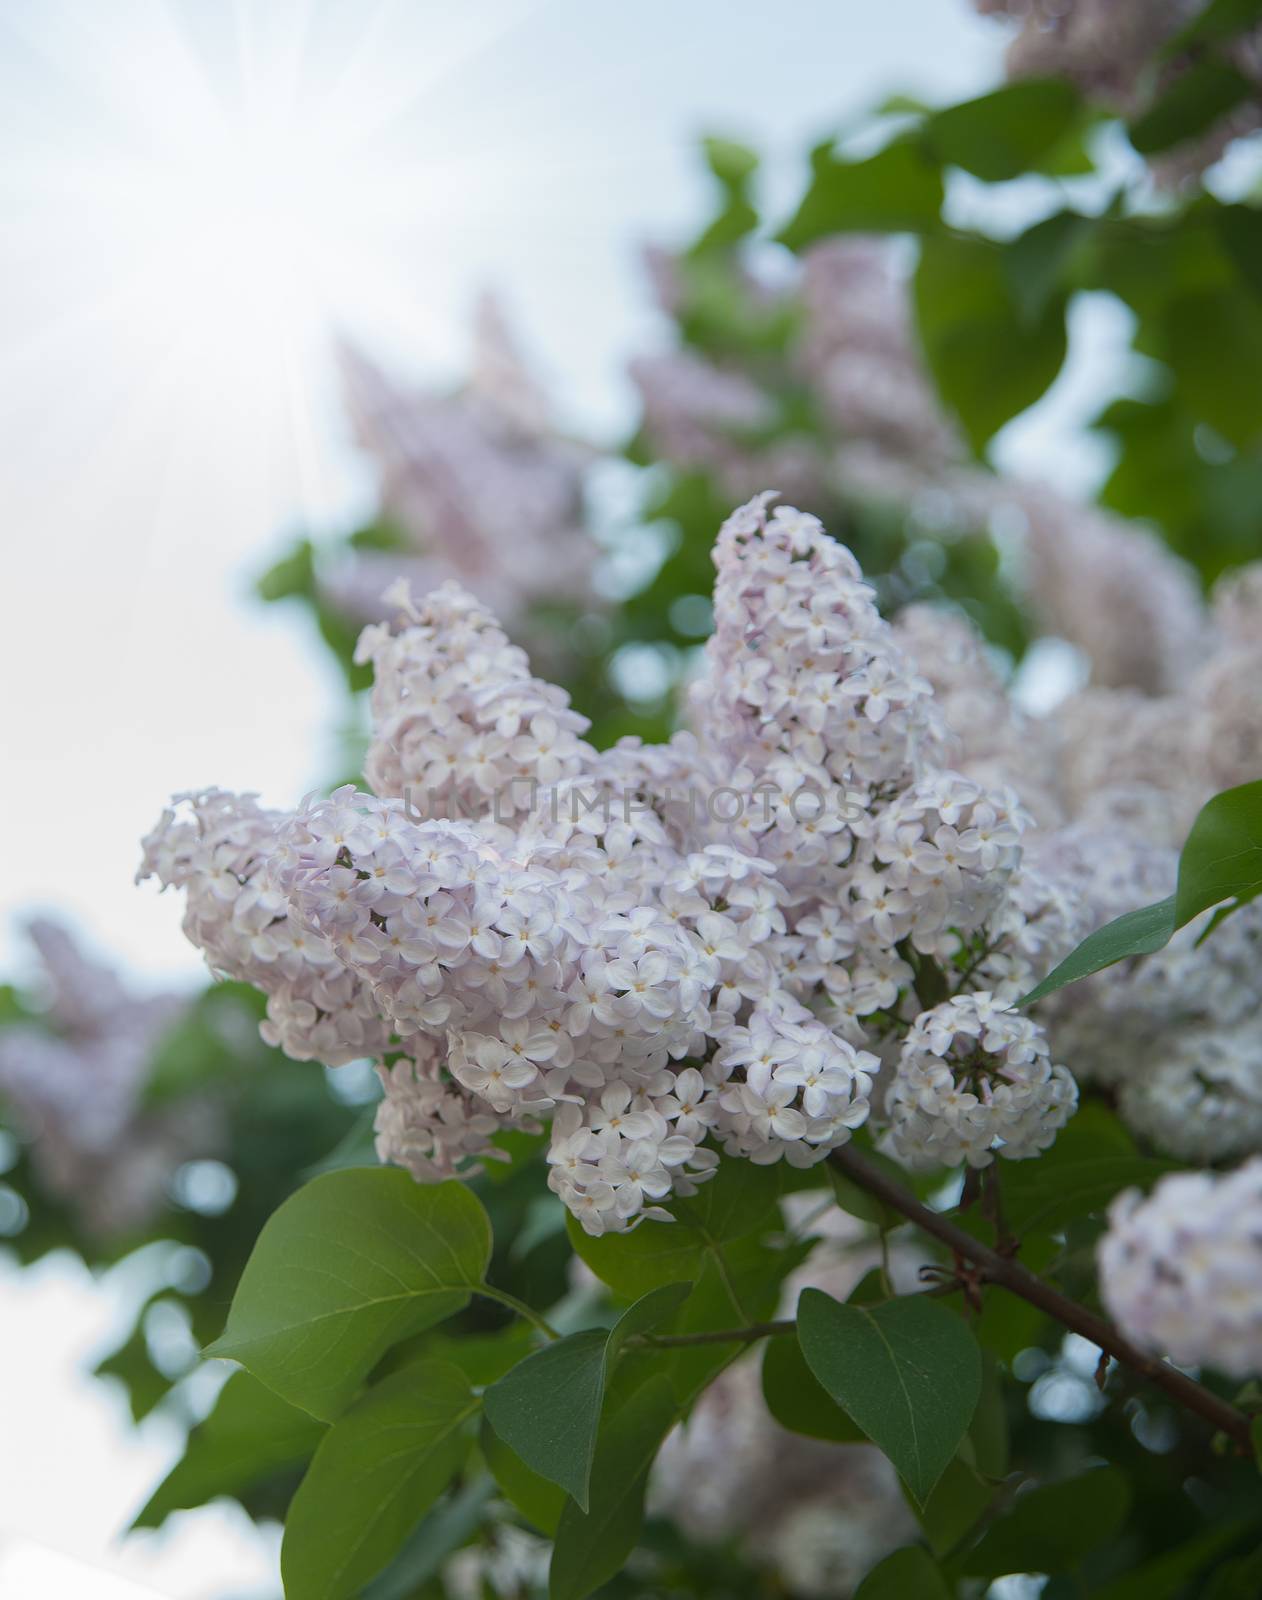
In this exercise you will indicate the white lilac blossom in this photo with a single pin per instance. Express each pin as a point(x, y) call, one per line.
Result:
point(1111, 588)
point(72, 1081)
point(975, 1080)
point(221, 850)
point(703, 416)
point(460, 727)
point(1179, 1270)
point(1116, 778)
point(801, 671)
point(486, 489)
point(859, 351)
point(667, 953)
point(990, 739)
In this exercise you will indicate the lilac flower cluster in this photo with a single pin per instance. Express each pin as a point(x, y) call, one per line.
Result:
point(659, 983)
point(972, 1073)
point(486, 489)
point(1179, 1270)
point(73, 1083)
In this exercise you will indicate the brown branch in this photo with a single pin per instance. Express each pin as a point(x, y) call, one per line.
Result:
point(1009, 1274)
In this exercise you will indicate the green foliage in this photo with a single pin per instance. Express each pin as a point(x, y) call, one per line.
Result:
point(296, 576)
point(538, 1500)
point(909, 1574)
point(1218, 21)
point(1093, 1160)
point(1044, 262)
point(548, 1407)
point(250, 1434)
point(1221, 861)
point(1012, 130)
point(734, 166)
point(798, 1401)
point(908, 1372)
point(1194, 101)
point(378, 1469)
point(739, 1200)
point(1168, 1575)
point(1053, 1526)
point(990, 359)
point(355, 1261)
point(897, 190)
point(592, 1545)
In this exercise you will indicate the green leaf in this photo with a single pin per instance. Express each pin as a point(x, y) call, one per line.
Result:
point(897, 190)
point(349, 1265)
point(1195, 100)
point(797, 1401)
point(592, 1546)
point(731, 163)
point(988, 1431)
point(857, 1202)
point(1037, 264)
point(739, 1200)
point(1214, 346)
point(737, 1285)
point(1167, 1576)
point(293, 576)
point(649, 1312)
point(1136, 933)
point(1240, 232)
point(955, 1505)
point(734, 166)
point(1221, 860)
point(539, 1501)
point(1051, 1528)
point(250, 1434)
point(1005, 133)
point(988, 360)
point(548, 1407)
point(132, 1364)
point(437, 1536)
point(909, 1574)
point(909, 1372)
point(378, 1470)
point(1077, 1177)
point(1220, 19)
point(483, 1358)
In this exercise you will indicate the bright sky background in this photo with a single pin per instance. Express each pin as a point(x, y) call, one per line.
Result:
point(196, 194)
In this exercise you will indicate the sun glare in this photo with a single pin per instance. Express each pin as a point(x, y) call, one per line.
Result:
point(222, 189)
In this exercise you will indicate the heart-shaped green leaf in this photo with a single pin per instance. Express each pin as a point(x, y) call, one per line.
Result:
point(352, 1263)
point(908, 1372)
point(548, 1407)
